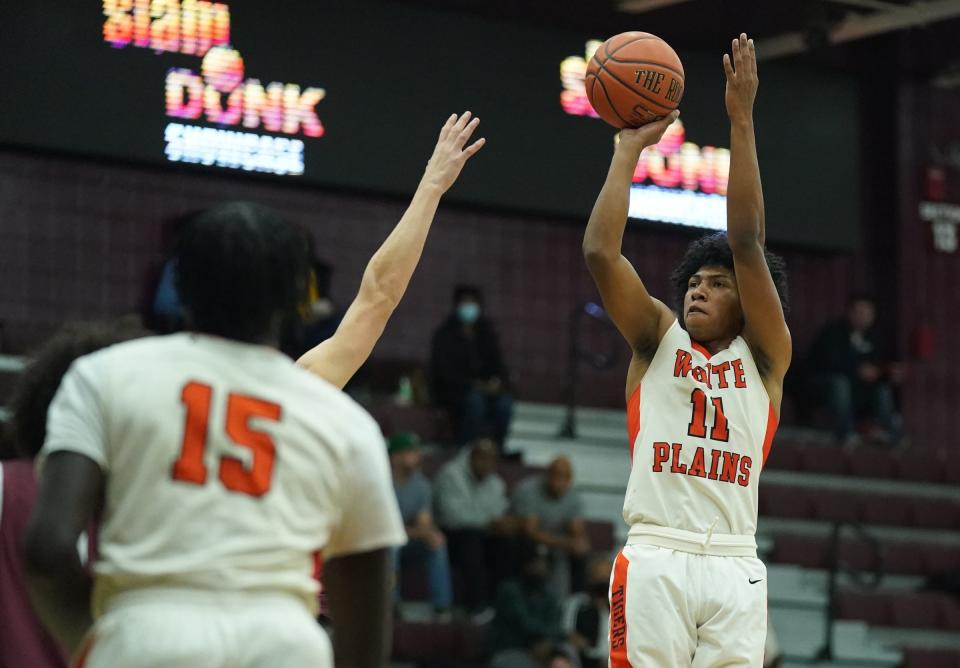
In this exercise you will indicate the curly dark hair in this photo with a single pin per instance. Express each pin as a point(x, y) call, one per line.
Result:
point(35, 388)
point(239, 266)
point(713, 250)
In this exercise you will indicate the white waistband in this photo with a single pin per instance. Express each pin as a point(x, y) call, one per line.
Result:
point(224, 599)
point(714, 544)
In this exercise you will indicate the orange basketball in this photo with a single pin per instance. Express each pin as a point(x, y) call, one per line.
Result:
point(634, 78)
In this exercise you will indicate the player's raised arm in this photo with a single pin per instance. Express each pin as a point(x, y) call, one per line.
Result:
point(389, 270)
point(635, 313)
point(765, 327)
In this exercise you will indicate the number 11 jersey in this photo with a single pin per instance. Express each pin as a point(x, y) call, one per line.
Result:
point(700, 428)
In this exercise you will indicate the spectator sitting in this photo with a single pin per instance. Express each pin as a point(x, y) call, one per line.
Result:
point(528, 626)
point(587, 617)
point(471, 504)
point(848, 374)
point(468, 375)
point(427, 544)
point(552, 516)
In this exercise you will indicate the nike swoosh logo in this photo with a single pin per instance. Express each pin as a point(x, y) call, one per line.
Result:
point(753, 582)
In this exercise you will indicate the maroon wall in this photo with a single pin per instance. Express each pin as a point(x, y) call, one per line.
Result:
point(77, 239)
point(930, 301)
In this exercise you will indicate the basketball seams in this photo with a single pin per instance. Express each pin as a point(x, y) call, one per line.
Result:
point(598, 82)
point(606, 45)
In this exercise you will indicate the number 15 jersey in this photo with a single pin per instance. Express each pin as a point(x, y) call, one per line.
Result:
point(227, 466)
point(700, 428)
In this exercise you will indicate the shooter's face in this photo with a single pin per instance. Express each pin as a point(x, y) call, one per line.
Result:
point(711, 305)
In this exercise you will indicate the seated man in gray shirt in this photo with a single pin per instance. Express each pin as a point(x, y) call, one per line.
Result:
point(426, 542)
point(552, 515)
point(471, 505)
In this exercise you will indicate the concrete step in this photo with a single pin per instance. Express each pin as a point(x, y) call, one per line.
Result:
point(594, 434)
point(802, 633)
point(557, 413)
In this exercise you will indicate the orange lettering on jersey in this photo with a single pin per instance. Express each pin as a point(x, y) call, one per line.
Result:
point(676, 466)
point(190, 466)
point(618, 613)
point(234, 474)
point(697, 466)
point(683, 365)
point(745, 463)
point(739, 378)
point(720, 371)
point(715, 457)
point(661, 453)
point(725, 466)
point(720, 431)
point(729, 473)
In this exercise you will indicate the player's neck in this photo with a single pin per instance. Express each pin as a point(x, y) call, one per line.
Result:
point(717, 345)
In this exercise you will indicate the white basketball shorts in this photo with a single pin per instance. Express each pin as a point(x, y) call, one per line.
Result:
point(674, 608)
point(175, 628)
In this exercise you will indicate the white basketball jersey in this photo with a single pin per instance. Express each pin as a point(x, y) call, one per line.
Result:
point(700, 429)
point(227, 466)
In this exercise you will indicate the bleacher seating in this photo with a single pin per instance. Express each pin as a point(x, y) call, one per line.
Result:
point(917, 610)
point(836, 505)
point(919, 464)
point(434, 645)
point(896, 558)
point(931, 658)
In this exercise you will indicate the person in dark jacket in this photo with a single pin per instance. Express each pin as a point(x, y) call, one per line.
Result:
point(468, 375)
point(528, 615)
point(850, 376)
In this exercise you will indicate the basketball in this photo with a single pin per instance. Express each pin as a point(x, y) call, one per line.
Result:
point(634, 78)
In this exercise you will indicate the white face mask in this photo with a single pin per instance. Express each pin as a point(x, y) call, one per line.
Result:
point(468, 312)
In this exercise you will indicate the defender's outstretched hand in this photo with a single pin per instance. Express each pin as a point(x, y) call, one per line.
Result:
point(742, 82)
point(449, 155)
point(388, 273)
point(637, 139)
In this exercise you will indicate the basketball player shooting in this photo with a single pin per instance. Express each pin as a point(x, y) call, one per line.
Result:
point(703, 396)
point(219, 472)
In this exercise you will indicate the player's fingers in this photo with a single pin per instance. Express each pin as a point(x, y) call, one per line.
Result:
point(727, 66)
point(664, 123)
point(474, 147)
point(465, 133)
point(670, 118)
point(445, 130)
point(462, 121)
point(744, 51)
point(753, 56)
point(737, 58)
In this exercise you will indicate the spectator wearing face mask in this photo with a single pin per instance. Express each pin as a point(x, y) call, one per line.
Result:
point(468, 375)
